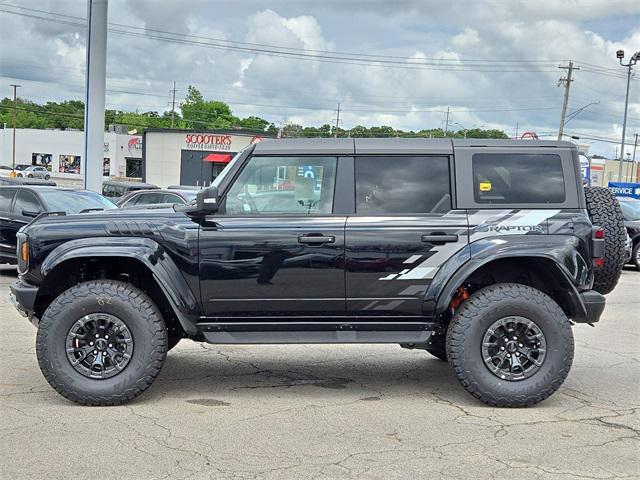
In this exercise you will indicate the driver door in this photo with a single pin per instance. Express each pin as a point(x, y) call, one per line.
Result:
point(275, 248)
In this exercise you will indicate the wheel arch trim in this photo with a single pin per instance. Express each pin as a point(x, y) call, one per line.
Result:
point(150, 254)
point(443, 297)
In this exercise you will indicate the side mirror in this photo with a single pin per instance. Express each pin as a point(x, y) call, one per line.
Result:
point(207, 200)
point(29, 213)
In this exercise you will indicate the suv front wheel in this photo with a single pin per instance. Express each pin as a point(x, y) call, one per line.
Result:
point(101, 342)
point(510, 345)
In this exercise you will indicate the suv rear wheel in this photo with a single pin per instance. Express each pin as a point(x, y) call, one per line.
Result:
point(605, 212)
point(510, 345)
point(101, 342)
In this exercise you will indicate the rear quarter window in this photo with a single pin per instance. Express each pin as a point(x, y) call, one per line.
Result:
point(517, 178)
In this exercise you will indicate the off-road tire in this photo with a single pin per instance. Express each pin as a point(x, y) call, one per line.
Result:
point(604, 211)
point(469, 325)
point(438, 347)
point(141, 317)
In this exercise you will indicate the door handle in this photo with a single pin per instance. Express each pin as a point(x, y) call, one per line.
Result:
point(316, 239)
point(439, 237)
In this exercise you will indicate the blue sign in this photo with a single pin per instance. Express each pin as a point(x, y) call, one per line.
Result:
point(625, 189)
point(585, 170)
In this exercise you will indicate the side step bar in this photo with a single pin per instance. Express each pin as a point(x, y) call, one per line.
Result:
point(315, 332)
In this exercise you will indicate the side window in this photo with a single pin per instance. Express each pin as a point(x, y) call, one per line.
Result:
point(287, 185)
point(26, 201)
point(504, 178)
point(147, 199)
point(6, 196)
point(388, 184)
point(134, 200)
point(171, 198)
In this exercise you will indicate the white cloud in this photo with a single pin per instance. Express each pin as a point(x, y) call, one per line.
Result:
point(48, 58)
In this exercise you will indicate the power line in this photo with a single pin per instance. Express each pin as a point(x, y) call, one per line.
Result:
point(331, 57)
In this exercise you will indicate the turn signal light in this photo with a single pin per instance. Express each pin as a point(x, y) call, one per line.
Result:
point(24, 251)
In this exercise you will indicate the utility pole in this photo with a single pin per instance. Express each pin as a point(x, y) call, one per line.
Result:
point(517, 130)
point(567, 85)
point(446, 123)
point(634, 170)
point(173, 103)
point(335, 134)
point(15, 101)
point(632, 62)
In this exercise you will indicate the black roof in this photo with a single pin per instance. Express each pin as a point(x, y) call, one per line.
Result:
point(407, 146)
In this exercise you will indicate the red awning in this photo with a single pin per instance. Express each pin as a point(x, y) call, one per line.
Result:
point(217, 158)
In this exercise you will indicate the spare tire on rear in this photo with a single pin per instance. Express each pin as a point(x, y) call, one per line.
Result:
point(604, 212)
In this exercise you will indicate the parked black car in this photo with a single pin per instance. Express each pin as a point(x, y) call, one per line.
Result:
point(114, 189)
point(20, 204)
point(145, 198)
point(482, 252)
point(631, 211)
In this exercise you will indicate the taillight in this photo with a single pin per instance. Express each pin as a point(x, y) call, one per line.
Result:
point(597, 246)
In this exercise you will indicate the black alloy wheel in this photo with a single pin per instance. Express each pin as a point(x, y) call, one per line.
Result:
point(514, 348)
point(99, 345)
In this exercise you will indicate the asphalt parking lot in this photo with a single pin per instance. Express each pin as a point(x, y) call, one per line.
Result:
point(293, 412)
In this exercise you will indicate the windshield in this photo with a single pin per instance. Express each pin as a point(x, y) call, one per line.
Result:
point(227, 169)
point(630, 209)
point(74, 201)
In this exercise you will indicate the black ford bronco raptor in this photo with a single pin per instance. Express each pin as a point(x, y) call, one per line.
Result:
point(483, 253)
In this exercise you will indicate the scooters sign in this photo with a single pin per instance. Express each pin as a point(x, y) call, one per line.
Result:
point(206, 141)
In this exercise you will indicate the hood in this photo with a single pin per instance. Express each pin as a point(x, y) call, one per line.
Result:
point(100, 223)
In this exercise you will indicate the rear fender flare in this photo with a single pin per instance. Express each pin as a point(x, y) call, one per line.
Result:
point(562, 256)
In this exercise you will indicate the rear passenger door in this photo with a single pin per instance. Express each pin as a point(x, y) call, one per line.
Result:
point(403, 230)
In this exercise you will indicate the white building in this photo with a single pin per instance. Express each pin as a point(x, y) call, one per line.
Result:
point(187, 157)
point(61, 152)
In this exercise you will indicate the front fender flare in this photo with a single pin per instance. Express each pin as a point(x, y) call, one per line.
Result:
point(151, 254)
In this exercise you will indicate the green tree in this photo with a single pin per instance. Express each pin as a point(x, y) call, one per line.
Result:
point(292, 130)
point(254, 123)
point(199, 113)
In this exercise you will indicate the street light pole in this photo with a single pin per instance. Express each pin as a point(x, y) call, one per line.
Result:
point(95, 94)
point(15, 101)
point(632, 62)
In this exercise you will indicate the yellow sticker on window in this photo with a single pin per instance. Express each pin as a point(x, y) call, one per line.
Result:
point(485, 186)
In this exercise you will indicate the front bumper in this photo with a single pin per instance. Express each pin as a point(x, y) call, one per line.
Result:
point(23, 296)
point(594, 304)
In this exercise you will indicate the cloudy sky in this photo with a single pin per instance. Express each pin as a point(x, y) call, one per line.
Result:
point(493, 63)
